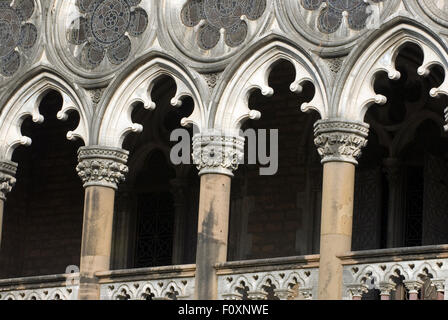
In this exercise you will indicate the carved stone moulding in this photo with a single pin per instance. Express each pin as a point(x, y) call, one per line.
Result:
point(340, 141)
point(102, 166)
point(20, 23)
point(333, 25)
point(217, 153)
point(436, 10)
point(96, 37)
point(212, 31)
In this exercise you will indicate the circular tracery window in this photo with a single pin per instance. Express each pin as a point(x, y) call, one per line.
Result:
point(221, 15)
point(330, 18)
point(15, 34)
point(104, 29)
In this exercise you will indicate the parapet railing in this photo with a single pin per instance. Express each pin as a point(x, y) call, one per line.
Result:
point(155, 283)
point(416, 273)
point(290, 278)
point(51, 287)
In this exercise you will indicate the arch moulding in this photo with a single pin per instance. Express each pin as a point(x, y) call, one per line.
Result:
point(114, 121)
point(25, 101)
point(353, 99)
point(232, 106)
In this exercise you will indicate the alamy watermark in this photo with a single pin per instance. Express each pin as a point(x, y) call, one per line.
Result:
point(256, 145)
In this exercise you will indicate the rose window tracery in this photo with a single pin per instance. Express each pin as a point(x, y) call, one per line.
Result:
point(15, 33)
point(221, 14)
point(104, 29)
point(330, 17)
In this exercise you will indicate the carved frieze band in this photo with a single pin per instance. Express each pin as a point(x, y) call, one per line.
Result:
point(8, 171)
point(216, 153)
point(102, 166)
point(340, 141)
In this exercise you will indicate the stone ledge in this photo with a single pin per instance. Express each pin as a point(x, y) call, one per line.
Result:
point(152, 273)
point(395, 254)
point(272, 264)
point(38, 282)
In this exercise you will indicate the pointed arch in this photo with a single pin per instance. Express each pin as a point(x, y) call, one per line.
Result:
point(134, 86)
point(24, 102)
point(251, 72)
point(377, 54)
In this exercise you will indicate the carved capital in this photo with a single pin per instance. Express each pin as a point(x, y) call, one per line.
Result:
point(257, 295)
point(439, 284)
point(284, 294)
point(102, 166)
point(232, 296)
point(216, 153)
point(340, 141)
point(386, 288)
point(8, 171)
point(307, 293)
point(413, 285)
point(357, 290)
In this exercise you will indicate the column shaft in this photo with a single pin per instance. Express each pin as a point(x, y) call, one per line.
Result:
point(96, 238)
point(336, 226)
point(213, 226)
point(101, 169)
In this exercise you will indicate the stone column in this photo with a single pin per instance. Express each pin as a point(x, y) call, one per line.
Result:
point(339, 143)
point(178, 190)
point(357, 290)
point(216, 157)
point(100, 169)
point(8, 171)
point(385, 289)
point(413, 286)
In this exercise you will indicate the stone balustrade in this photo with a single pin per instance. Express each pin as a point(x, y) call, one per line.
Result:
point(52, 287)
point(379, 273)
point(367, 274)
point(156, 283)
point(291, 278)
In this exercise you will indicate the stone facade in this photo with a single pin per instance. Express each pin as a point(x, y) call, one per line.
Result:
point(126, 73)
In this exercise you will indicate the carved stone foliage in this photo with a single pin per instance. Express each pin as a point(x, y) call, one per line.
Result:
point(340, 140)
point(215, 153)
point(7, 177)
point(221, 14)
point(16, 34)
point(104, 28)
point(332, 12)
point(101, 166)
